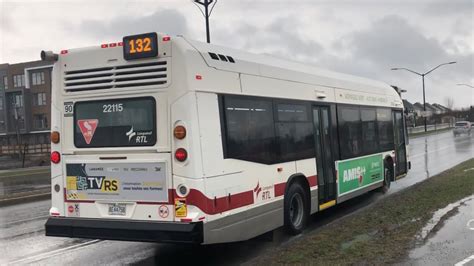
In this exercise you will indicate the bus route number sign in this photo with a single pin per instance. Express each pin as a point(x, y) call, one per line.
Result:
point(140, 46)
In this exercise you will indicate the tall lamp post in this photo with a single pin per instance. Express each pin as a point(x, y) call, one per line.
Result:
point(423, 80)
point(471, 113)
point(206, 13)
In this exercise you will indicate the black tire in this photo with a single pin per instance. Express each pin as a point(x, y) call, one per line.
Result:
point(296, 209)
point(388, 176)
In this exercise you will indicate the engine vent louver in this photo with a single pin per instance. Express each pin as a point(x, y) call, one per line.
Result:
point(136, 75)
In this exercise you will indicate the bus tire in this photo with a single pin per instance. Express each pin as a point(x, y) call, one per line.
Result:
point(295, 209)
point(387, 176)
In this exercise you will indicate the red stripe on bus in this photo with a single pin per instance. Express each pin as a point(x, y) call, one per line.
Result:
point(218, 205)
point(312, 180)
point(279, 189)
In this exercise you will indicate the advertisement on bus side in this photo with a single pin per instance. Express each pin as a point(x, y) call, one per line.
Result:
point(117, 182)
point(357, 173)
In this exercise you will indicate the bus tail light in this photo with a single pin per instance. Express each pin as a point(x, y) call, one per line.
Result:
point(179, 132)
point(55, 157)
point(181, 154)
point(55, 137)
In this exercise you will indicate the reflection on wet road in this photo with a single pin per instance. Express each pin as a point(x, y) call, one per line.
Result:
point(22, 237)
point(453, 243)
point(434, 154)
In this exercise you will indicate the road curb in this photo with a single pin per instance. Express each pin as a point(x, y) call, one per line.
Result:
point(24, 199)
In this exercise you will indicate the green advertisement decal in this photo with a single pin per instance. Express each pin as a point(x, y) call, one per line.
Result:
point(359, 172)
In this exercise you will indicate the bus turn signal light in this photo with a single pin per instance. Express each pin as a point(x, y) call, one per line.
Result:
point(55, 157)
point(181, 154)
point(55, 137)
point(179, 132)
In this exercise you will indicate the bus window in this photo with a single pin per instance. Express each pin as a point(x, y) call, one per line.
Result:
point(115, 123)
point(350, 132)
point(294, 132)
point(369, 134)
point(249, 129)
point(385, 129)
point(292, 112)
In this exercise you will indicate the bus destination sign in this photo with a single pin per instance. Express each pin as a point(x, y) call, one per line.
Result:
point(140, 46)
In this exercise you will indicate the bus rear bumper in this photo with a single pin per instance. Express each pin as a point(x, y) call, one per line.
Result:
point(145, 231)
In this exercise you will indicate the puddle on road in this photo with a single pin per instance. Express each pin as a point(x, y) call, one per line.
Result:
point(441, 214)
point(447, 238)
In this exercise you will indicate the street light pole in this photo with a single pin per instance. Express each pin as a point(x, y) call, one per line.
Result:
point(423, 81)
point(206, 7)
point(424, 101)
point(206, 14)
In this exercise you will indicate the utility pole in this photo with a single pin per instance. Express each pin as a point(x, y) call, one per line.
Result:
point(206, 13)
point(422, 75)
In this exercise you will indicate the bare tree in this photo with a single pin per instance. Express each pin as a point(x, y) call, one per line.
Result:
point(449, 101)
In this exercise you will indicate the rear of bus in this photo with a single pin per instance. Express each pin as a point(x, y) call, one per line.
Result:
point(110, 152)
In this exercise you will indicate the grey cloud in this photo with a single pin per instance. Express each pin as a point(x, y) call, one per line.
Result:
point(451, 7)
point(6, 20)
point(165, 20)
point(391, 41)
point(280, 37)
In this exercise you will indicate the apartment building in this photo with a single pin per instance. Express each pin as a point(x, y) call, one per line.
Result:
point(25, 104)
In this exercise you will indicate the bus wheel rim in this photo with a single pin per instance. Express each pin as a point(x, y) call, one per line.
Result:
point(296, 210)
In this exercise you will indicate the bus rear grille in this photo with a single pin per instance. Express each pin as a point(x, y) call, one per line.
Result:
point(136, 75)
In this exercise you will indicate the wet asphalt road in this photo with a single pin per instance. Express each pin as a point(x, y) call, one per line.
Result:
point(453, 243)
point(22, 237)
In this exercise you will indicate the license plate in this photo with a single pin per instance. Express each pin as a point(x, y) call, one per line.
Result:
point(117, 209)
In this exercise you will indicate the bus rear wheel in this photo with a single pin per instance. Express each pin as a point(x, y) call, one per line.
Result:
point(387, 177)
point(295, 209)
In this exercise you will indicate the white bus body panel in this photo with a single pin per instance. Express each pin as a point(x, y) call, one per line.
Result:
point(190, 98)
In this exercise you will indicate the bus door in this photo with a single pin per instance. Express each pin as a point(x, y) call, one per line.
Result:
point(324, 157)
point(399, 140)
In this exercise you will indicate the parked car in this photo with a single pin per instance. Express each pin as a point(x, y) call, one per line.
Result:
point(462, 127)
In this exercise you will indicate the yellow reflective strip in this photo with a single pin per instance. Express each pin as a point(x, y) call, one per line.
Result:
point(327, 205)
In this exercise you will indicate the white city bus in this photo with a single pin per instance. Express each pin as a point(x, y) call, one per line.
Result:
point(165, 139)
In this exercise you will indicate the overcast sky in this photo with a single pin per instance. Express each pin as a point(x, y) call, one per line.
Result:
point(360, 37)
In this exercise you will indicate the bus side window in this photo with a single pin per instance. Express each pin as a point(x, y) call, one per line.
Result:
point(385, 129)
point(369, 130)
point(350, 132)
point(249, 129)
point(294, 132)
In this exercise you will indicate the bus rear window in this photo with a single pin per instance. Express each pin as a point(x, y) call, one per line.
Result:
point(115, 123)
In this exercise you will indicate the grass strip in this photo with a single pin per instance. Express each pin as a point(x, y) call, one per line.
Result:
point(382, 233)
